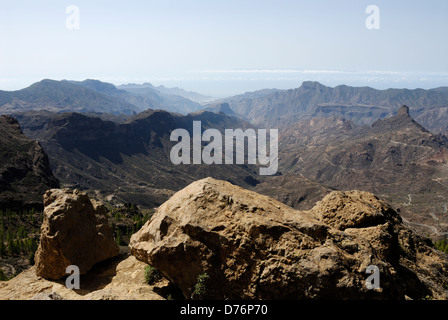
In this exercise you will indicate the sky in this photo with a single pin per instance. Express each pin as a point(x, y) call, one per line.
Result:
point(221, 48)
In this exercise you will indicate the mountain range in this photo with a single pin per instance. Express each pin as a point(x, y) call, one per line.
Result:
point(93, 96)
point(396, 158)
point(62, 96)
point(267, 108)
point(115, 141)
point(128, 161)
point(148, 87)
point(362, 105)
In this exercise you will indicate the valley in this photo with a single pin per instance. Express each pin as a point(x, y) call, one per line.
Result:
point(330, 139)
point(224, 151)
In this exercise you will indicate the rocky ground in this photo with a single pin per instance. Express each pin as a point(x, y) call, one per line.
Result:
point(214, 240)
point(120, 278)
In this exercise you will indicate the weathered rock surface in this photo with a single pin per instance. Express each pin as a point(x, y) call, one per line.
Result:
point(74, 231)
point(120, 278)
point(353, 209)
point(254, 247)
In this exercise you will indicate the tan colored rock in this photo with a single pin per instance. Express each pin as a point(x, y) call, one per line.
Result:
point(353, 209)
point(120, 278)
point(74, 231)
point(254, 247)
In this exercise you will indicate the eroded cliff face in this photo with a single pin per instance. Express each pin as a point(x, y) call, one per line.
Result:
point(25, 172)
point(254, 247)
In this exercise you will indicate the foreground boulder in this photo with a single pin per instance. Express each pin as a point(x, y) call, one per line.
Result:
point(74, 231)
point(243, 245)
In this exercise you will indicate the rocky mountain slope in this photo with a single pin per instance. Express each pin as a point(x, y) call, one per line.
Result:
point(326, 142)
point(293, 190)
point(145, 96)
point(25, 172)
point(128, 161)
point(362, 105)
point(174, 99)
point(90, 96)
point(59, 96)
point(396, 158)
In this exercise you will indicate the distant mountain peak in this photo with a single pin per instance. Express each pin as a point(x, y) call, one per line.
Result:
point(403, 111)
point(221, 108)
point(401, 120)
point(312, 85)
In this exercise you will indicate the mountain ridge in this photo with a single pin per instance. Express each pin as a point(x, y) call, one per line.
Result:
point(194, 96)
point(363, 105)
point(129, 159)
point(62, 95)
point(90, 95)
point(25, 172)
point(395, 158)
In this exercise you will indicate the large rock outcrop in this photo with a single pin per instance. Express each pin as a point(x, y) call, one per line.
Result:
point(254, 247)
point(74, 231)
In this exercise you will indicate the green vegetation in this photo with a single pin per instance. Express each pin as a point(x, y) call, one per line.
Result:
point(126, 220)
point(19, 232)
point(119, 238)
point(201, 286)
point(442, 245)
point(3, 276)
point(152, 275)
point(19, 238)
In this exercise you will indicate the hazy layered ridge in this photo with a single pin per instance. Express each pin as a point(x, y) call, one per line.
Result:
point(91, 96)
point(363, 105)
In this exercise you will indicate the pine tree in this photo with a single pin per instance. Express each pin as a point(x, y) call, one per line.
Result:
point(442, 245)
point(2, 245)
point(3, 276)
point(118, 237)
point(11, 243)
point(11, 247)
point(2, 240)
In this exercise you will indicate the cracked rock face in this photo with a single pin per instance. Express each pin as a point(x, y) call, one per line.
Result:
point(254, 247)
point(74, 231)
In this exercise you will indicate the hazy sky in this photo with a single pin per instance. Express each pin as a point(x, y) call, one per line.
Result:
point(225, 47)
